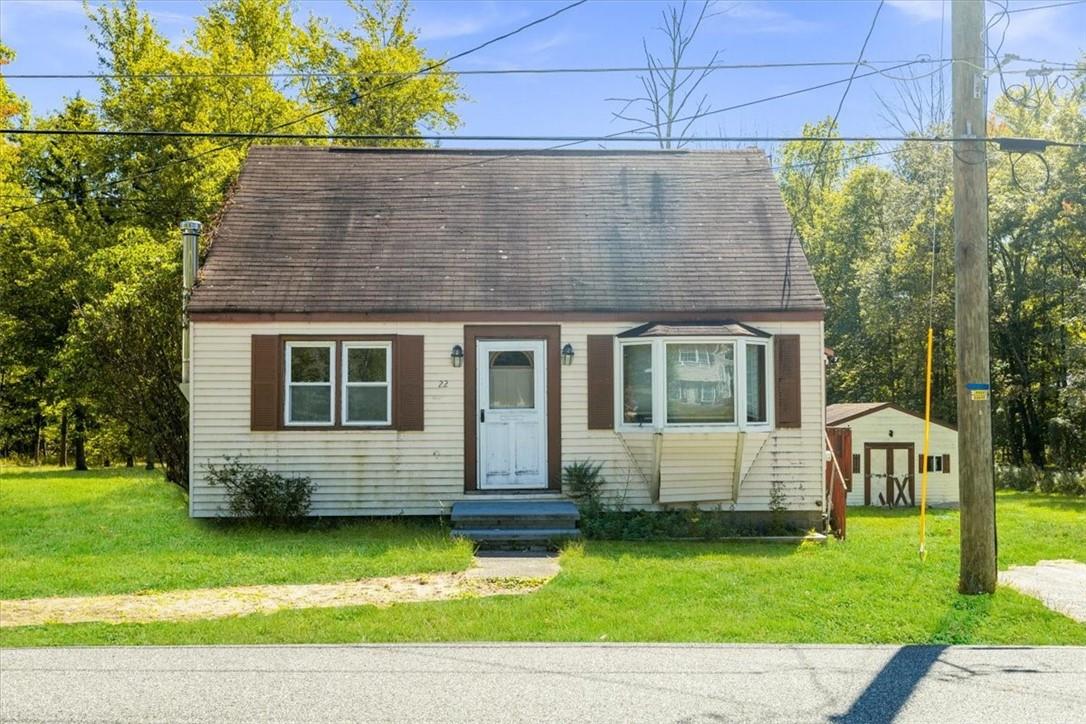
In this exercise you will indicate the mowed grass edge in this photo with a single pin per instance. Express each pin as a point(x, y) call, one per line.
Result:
point(872, 588)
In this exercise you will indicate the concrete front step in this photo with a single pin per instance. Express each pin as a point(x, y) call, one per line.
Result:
point(471, 509)
point(538, 536)
point(515, 523)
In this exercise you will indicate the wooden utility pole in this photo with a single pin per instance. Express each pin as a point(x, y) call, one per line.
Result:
point(975, 465)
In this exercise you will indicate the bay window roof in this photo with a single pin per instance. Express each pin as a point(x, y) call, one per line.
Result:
point(693, 329)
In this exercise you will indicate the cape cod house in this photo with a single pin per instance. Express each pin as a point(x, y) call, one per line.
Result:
point(417, 328)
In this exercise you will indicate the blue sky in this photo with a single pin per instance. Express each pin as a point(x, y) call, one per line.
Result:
point(49, 36)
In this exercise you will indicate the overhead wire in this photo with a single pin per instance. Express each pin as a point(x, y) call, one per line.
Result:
point(321, 111)
point(466, 72)
point(786, 282)
point(1031, 8)
point(873, 64)
point(563, 144)
point(627, 138)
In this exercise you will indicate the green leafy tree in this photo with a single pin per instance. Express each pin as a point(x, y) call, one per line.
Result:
point(367, 76)
point(89, 262)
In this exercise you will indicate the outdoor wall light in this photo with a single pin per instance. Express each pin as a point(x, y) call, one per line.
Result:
point(567, 354)
point(457, 355)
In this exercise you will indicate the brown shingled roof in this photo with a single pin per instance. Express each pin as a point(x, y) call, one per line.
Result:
point(313, 230)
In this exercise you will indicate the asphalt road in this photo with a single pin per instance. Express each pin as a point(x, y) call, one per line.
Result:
point(545, 682)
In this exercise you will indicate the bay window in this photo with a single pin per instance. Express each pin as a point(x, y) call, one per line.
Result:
point(694, 383)
point(700, 383)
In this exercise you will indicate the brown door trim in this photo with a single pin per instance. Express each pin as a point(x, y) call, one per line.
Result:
point(552, 333)
point(889, 448)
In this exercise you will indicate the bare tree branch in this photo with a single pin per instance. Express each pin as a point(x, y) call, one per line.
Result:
point(667, 90)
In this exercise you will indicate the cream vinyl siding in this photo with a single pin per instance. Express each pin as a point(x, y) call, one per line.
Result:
point(875, 428)
point(390, 472)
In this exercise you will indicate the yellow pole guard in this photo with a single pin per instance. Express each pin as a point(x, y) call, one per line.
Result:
point(927, 440)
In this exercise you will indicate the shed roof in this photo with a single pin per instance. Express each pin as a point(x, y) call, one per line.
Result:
point(842, 412)
point(347, 230)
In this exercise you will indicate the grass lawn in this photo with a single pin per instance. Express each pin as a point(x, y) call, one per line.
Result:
point(110, 531)
point(122, 530)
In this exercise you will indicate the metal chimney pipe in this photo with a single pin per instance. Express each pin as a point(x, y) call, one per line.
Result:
point(190, 261)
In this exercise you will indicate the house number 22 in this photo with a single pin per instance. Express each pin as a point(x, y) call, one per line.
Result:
point(442, 383)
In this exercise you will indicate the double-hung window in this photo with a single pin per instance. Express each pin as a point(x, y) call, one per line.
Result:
point(344, 383)
point(367, 395)
point(695, 383)
point(309, 375)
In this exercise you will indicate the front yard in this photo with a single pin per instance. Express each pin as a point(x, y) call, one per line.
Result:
point(114, 531)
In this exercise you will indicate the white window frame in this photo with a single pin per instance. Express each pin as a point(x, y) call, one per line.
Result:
point(344, 384)
point(620, 415)
point(769, 378)
point(659, 386)
point(330, 384)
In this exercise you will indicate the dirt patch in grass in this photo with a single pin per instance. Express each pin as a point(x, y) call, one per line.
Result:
point(213, 603)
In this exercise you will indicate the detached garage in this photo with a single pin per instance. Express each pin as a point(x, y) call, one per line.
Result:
point(887, 455)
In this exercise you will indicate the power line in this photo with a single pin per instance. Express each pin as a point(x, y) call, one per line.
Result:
point(786, 282)
point(1044, 7)
point(564, 144)
point(872, 64)
point(624, 137)
point(321, 111)
point(478, 71)
point(353, 189)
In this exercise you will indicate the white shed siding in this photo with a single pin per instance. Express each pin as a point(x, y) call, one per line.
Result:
point(387, 472)
point(875, 428)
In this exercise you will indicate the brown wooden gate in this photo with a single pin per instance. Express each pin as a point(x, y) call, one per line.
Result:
point(837, 486)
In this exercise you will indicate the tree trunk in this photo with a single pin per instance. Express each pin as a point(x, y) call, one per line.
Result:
point(63, 439)
point(1034, 432)
point(150, 465)
point(80, 438)
point(37, 439)
point(129, 460)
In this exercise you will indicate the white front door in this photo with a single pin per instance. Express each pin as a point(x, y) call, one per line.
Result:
point(512, 415)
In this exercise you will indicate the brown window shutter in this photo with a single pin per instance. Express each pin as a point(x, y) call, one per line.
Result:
point(920, 462)
point(265, 382)
point(601, 382)
point(787, 369)
point(946, 463)
point(408, 381)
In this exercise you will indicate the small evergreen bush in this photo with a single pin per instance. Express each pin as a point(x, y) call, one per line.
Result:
point(256, 493)
point(583, 481)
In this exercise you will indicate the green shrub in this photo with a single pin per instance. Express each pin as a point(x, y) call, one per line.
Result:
point(600, 521)
point(256, 493)
point(1031, 478)
point(583, 481)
